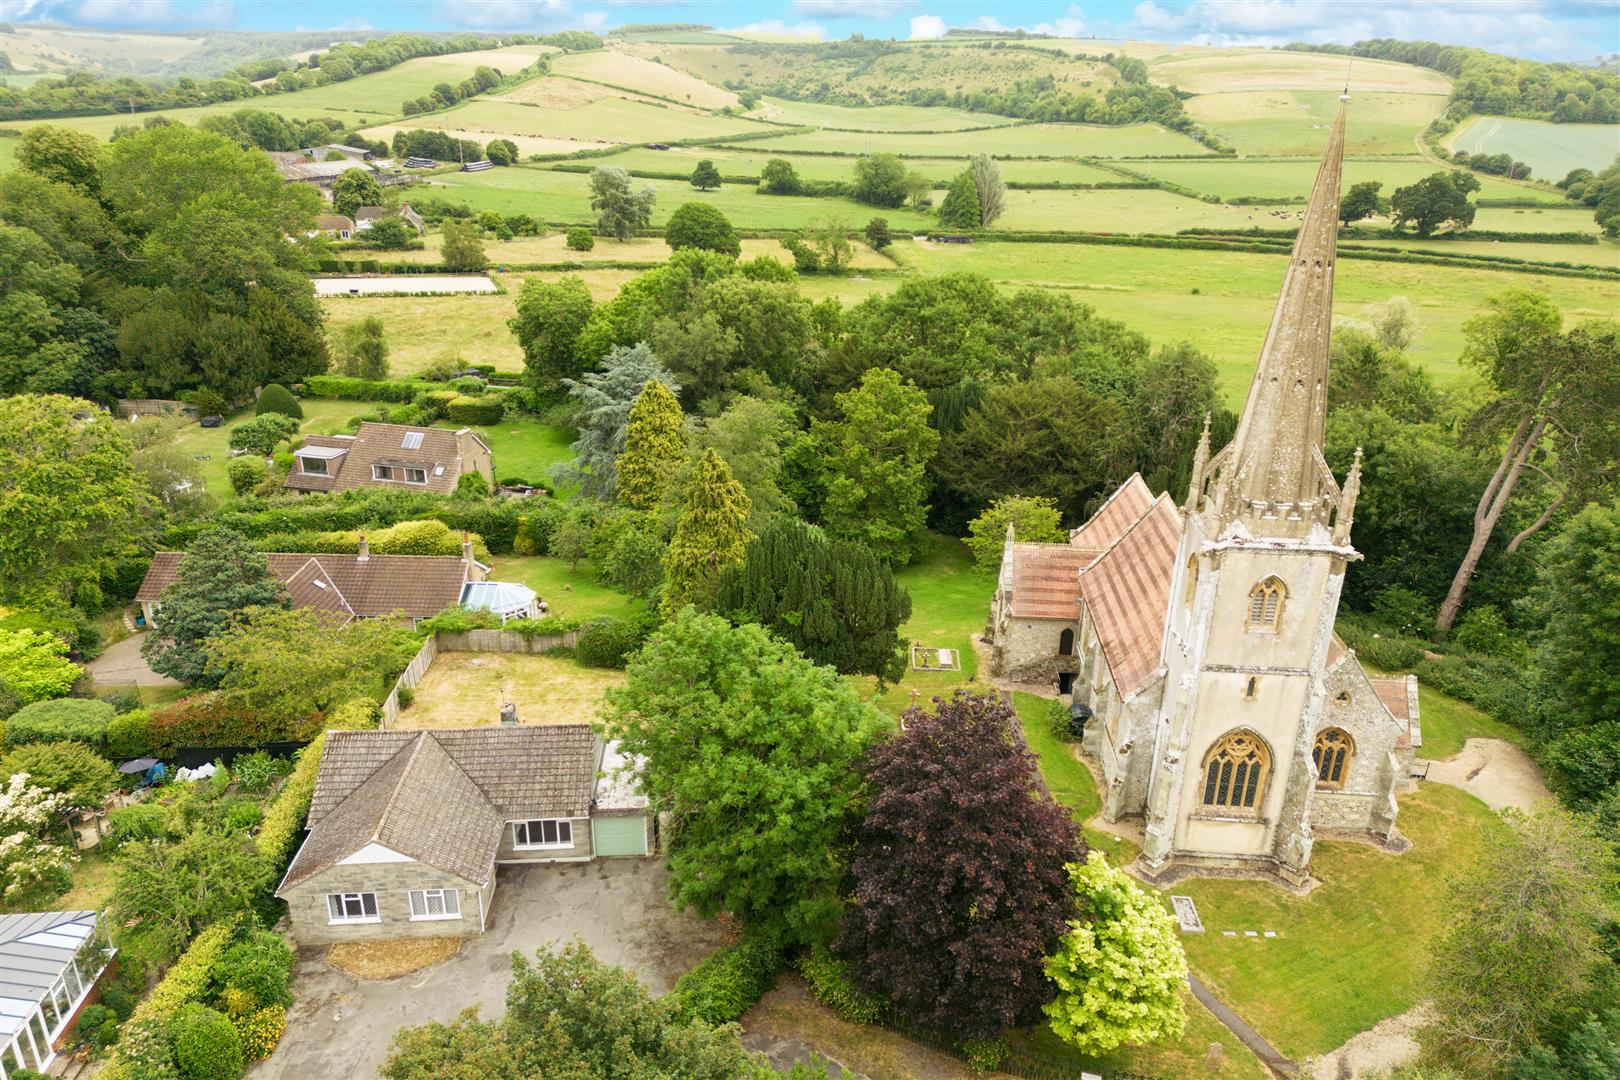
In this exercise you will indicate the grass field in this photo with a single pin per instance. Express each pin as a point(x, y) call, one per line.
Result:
point(565, 197)
point(1025, 140)
point(881, 117)
point(1152, 290)
point(571, 594)
point(1257, 178)
point(553, 248)
point(743, 162)
point(210, 447)
point(1551, 150)
point(1448, 723)
point(1270, 123)
point(646, 76)
point(464, 689)
point(8, 153)
point(1234, 70)
point(611, 119)
point(526, 144)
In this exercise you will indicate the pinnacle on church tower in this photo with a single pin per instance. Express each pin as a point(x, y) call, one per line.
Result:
point(1273, 463)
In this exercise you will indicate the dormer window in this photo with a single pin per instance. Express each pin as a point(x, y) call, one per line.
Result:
point(315, 466)
point(1266, 604)
point(399, 473)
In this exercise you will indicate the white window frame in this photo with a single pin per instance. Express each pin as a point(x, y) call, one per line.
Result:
point(382, 472)
point(449, 904)
point(412, 473)
point(343, 904)
point(521, 830)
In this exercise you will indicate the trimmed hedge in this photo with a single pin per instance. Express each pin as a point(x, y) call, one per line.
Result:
point(60, 720)
point(728, 982)
point(607, 642)
point(206, 1045)
point(143, 1049)
point(347, 388)
point(485, 410)
point(829, 979)
point(129, 734)
point(285, 819)
point(214, 719)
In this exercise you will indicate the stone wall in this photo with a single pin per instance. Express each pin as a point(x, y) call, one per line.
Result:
point(580, 849)
point(1027, 650)
point(392, 882)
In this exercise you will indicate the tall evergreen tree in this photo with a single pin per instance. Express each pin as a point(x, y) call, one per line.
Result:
point(960, 210)
point(605, 398)
point(876, 460)
point(712, 534)
point(220, 576)
point(991, 188)
point(654, 440)
point(961, 888)
point(834, 601)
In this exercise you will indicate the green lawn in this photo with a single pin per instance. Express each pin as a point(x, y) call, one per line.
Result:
point(572, 594)
point(525, 449)
point(1259, 178)
point(907, 118)
point(1274, 123)
point(210, 447)
point(1182, 1058)
point(1551, 150)
point(565, 197)
point(1448, 723)
point(8, 152)
point(1027, 140)
point(740, 161)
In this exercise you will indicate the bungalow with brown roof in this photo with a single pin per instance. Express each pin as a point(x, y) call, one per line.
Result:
point(406, 828)
point(336, 226)
point(390, 455)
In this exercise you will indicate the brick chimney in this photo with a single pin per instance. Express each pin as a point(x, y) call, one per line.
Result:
point(365, 549)
point(466, 548)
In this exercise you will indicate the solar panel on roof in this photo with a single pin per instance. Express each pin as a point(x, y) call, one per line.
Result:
point(412, 441)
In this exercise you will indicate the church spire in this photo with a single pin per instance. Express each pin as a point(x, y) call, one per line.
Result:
point(1273, 457)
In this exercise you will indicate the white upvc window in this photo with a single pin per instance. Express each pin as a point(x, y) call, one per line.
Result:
point(435, 904)
point(545, 833)
point(313, 465)
point(352, 907)
point(416, 476)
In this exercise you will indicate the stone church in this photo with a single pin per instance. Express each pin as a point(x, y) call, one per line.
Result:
point(1225, 711)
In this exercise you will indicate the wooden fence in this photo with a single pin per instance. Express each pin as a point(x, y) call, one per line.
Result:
point(497, 641)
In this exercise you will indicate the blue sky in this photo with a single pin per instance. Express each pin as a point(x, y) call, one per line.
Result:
point(1551, 30)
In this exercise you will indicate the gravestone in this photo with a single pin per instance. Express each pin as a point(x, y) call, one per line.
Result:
point(1187, 914)
point(509, 712)
point(1215, 1056)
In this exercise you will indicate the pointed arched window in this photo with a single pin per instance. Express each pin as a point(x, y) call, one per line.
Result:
point(1235, 771)
point(1332, 755)
point(1266, 604)
point(1066, 643)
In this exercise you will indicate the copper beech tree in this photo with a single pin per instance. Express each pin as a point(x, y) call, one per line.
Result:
point(959, 872)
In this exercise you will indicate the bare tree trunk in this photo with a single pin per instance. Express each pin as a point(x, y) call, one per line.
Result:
point(1492, 502)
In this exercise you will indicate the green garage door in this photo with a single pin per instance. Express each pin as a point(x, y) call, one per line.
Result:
point(620, 835)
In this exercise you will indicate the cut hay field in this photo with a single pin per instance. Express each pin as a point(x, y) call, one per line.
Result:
point(1551, 150)
point(1255, 178)
point(881, 117)
point(1153, 290)
point(1224, 71)
point(556, 92)
point(465, 689)
point(526, 144)
point(1603, 253)
point(741, 161)
point(1273, 123)
point(1023, 140)
point(361, 100)
point(565, 197)
point(611, 119)
point(651, 250)
point(644, 76)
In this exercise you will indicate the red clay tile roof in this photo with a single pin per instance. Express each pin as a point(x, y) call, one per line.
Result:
point(1127, 592)
point(1400, 698)
point(1045, 581)
point(418, 585)
point(1123, 509)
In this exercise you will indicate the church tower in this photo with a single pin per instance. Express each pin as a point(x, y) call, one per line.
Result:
point(1264, 543)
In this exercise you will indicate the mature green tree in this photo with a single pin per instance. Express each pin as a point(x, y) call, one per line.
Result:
point(1557, 401)
point(955, 929)
point(752, 750)
point(72, 770)
point(463, 246)
point(1035, 520)
point(621, 212)
point(1120, 972)
point(670, 290)
point(875, 467)
point(960, 210)
point(877, 234)
point(571, 541)
point(65, 155)
point(1364, 373)
point(69, 497)
point(165, 893)
point(705, 177)
point(699, 225)
point(263, 434)
point(880, 180)
point(1361, 201)
point(654, 443)
point(34, 666)
point(220, 577)
point(990, 187)
point(1436, 200)
point(550, 316)
point(775, 329)
point(38, 288)
point(571, 1017)
point(1175, 389)
point(362, 348)
point(353, 189)
point(835, 602)
point(779, 177)
point(710, 535)
point(389, 234)
point(1044, 437)
point(1521, 942)
point(605, 398)
point(288, 663)
point(829, 239)
point(700, 352)
point(749, 437)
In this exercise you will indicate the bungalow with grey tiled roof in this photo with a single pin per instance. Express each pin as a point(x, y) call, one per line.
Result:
point(390, 455)
point(406, 828)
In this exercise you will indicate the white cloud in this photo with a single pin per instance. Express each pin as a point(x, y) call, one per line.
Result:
point(506, 14)
point(150, 14)
point(1070, 24)
point(924, 27)
point(990, 23)
point(807, 31)
point(851, 9)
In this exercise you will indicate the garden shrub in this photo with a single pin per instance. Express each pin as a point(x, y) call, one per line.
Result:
point(472, 485)
point(729, 981)
point(985, 1055)
point(1484, 630)
point(214, 719)
point(260, 966)
point(260, 1031)
point(580, 239)
point(255, 772)
point(70, 769)
point(241, 815)
point(285, 818)
point(98, 1026)
point(829, 979)
point(1057, 719)
point(466, 386)
point(144, 1049)
point(406, 697)
point(129, 735)
point(143, 821)
point(206, 1045)
point(607, 642)
point(356, 714)
point(276, 398)
point(484, 410)
point(346, 388)
point(61, 720)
